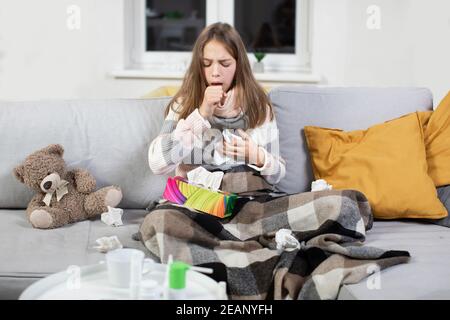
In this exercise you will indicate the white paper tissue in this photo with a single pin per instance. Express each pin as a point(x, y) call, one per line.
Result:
point(286, 241)
point(113, 217)
point(106, 244)
point(203, 177)
point(320, 185)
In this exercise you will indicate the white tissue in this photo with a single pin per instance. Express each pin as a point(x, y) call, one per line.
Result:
point(228, 135)
point(286, 241)
point(320, 185)
point(201, 176)
point(113, 217)
point(106, 244)
point(218, 157)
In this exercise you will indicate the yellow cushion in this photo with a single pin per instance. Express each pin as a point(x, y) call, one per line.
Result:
point(170, 91)
point(437, 142)
point(165, 91)
point(386, 162)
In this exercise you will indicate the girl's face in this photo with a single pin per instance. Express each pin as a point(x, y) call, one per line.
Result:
point(218, 65)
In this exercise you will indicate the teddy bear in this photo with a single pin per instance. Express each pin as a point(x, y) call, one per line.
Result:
point(63, 196)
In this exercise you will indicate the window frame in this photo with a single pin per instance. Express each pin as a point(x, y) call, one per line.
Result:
point(137, 58)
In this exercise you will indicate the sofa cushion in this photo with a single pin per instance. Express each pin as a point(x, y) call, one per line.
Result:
point(387, 162)
point(425, 276)
point(444, 196)
point(110, 138)
point(345, 108)
point(170, 91)
point(164, 91)
point(34, 253)
point(437, 139)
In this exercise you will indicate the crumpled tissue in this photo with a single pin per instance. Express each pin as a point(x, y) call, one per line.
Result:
point(113, 217)
point(201, 176)
point(219, 158)
point(286, 241)
point(106, 244)
point(320, 185)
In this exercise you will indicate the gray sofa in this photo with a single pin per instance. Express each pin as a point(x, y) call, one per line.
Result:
point(110, 138)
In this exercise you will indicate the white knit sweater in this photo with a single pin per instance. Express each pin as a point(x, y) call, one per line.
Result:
point(194, 141)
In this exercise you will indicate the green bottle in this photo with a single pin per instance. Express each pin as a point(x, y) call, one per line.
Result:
point(177, 280)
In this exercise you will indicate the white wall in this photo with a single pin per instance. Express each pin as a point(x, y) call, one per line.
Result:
point(430, 22)
point(40, 58)
point(410, 49)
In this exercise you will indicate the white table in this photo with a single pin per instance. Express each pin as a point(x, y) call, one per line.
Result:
point(91, 283)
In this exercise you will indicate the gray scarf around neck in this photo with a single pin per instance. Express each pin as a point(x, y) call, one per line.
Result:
point(238, 122)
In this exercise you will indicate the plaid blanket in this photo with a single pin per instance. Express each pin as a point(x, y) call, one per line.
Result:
point(330, 227)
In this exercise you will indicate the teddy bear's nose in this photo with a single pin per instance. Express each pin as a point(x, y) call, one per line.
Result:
point(47, 185)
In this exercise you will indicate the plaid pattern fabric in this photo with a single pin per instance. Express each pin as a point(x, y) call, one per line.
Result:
point(330, 225)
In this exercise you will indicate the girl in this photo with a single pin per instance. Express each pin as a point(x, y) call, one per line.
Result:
point(218, 96)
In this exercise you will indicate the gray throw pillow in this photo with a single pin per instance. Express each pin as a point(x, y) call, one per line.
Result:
point(444, 196)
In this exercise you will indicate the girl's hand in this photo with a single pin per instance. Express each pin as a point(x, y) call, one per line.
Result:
point(213, 97)
point(245, 150)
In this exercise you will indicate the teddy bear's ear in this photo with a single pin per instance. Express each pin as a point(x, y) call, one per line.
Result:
point(18, 172)
point(55, 149)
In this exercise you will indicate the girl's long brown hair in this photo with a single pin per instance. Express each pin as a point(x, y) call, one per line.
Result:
point(250, 95)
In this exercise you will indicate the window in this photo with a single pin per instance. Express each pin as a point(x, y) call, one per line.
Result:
point(173, 25)
point(269, 28)
point(160, 33)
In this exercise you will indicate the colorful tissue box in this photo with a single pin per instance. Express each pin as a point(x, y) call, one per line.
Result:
point(216, 203)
